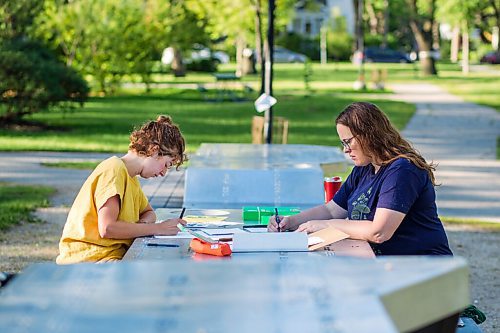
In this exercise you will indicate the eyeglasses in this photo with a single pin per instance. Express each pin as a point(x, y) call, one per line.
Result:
point(346, 143)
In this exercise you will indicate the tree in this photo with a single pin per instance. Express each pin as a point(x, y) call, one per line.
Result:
point(488, 19)
point(109, 39)
point(16, 17)
point(239, 21)
point(460, 14)
point(421, 20)
point(32, 79)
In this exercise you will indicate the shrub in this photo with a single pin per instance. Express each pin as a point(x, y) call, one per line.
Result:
point(203, 65)
point(339, 45)
point(301, 44)
point(32, 80)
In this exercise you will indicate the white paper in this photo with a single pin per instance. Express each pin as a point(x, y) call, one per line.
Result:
point(256, 230)
point(223, 231)
point(180, 235)
point(270, 242)
point(264, 102)
point(216, 225)
point(314, 240)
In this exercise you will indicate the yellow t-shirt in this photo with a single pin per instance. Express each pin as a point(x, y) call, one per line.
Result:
point(80, 241)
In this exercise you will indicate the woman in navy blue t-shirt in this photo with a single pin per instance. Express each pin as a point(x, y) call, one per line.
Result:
point(388, 199)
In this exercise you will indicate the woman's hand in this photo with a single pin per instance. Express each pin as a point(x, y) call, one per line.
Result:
point(169, 227)
point(313, 226)
point(285, 223)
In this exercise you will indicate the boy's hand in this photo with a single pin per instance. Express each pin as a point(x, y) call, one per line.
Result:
point(169, 227)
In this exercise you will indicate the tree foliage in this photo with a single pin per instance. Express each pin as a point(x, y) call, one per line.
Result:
point(32, 79)
point(108, 39)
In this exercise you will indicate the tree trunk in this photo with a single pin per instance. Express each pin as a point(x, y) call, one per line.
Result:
point(386, 23)
point(436, 40)
point(258, 33)
point(259, 44)
point(465, 50)
point(373, 21)
point(177, 66)
point(455, 45)
point(421, 27)
point(240, 46)
point(496, 10)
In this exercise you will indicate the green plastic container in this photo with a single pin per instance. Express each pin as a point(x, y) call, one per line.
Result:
point(253, 215)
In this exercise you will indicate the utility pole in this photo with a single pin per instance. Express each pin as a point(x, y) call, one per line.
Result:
point(268, 117)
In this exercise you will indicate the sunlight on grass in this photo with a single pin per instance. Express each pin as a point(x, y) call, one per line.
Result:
point(492, 226)
point(19, 201)
point(72, 165)
point(104, 124)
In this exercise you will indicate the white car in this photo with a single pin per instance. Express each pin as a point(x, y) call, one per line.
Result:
point(197, 54)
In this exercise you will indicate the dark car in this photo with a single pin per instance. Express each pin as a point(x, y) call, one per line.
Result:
point(377, 54)
point(492, 57)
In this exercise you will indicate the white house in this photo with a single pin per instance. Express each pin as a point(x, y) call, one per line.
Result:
point(309, 23)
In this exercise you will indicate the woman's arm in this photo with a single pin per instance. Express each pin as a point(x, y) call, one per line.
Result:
point(381, 229)
point(110, 227)
point(321, 212)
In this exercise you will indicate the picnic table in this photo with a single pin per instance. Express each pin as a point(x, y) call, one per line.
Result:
point(224, 175)
point(141, 251)
point(281, 293)
point(226, 85)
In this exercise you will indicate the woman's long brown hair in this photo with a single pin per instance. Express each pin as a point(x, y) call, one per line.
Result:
point(378, 137)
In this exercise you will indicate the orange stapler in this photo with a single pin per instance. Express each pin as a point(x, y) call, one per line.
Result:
point(214, 249)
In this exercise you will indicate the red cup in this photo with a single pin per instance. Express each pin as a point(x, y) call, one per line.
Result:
point(332, 185)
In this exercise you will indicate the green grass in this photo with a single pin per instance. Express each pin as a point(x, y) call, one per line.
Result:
point(72, 165)
point(498, 147)
point(491, 226)
point(104, 124)
point(19, 201)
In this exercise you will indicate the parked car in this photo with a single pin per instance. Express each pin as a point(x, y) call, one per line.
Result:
point(282, 55)
point(492, 57)
point(198, 53)
point(377, 54)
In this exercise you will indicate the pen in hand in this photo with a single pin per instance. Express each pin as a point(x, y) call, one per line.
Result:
point(182, 213)
point(277, 219)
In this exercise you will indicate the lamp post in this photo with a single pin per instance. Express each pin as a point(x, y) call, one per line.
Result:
point(268, 117)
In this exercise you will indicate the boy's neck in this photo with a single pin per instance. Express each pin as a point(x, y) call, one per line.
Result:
point(133, 163)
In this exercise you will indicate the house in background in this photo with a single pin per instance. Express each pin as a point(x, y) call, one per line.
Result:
point(308, 20)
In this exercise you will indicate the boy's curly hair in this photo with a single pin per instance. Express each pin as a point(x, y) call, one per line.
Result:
point(160, 136)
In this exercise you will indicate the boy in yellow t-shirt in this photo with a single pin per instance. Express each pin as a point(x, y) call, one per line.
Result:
point(111, 209)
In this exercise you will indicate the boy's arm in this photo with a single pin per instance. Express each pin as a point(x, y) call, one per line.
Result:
point(148, 215)
point(110, 227)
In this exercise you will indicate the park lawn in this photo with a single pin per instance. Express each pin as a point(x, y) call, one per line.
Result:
point(476, 224)
point(18, 201)
point(104, 124)
point(72, 165)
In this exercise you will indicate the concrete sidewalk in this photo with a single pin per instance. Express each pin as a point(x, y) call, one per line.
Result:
point(27, 168)
point(461, 138)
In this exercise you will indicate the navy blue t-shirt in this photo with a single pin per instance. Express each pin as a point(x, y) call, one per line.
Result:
point(403, 187)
